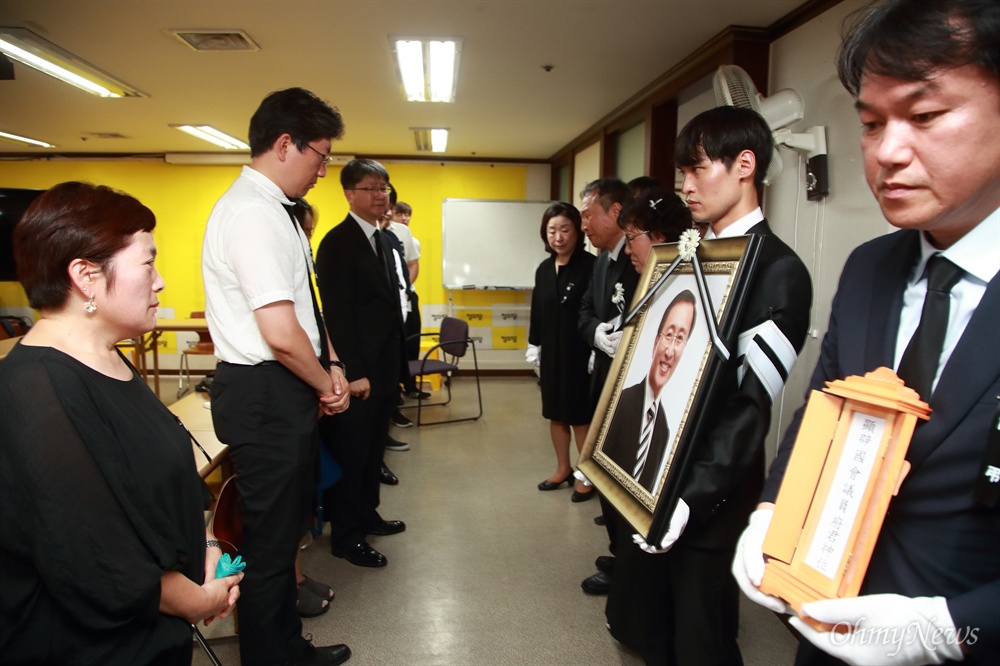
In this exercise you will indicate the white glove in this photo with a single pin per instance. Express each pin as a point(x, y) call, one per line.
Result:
point(590, 362)
point(533, 355)
point(605, 340)
point(887, 629)
point(748, 564)
point(678, 521)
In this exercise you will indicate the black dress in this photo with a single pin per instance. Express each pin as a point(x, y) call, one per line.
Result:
point(99, 496)
point(555, 308)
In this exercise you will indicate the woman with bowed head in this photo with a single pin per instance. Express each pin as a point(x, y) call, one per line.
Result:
point(554, 341)
point(656, 215)
point(104, 555)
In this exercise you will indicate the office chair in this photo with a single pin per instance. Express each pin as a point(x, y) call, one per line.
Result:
point(454, 342)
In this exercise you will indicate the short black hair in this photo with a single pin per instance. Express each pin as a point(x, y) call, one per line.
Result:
point(642, 183)
point(296, 112)
point(657, 210)
point(403, 207)
point(568, 211)
point(609, 191)
point(911, 40)
point(356, 170)
point(684, 297)
point(723, 133)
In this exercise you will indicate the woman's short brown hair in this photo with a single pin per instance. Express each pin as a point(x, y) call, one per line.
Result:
point(73, 221)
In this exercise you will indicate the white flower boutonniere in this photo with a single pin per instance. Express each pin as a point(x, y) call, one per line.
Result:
point(619, 297)
point(688, 244)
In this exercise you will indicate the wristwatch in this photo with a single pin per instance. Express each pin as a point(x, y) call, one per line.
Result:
point(339, 364)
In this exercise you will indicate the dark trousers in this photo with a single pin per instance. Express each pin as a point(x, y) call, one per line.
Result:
point(412, 328)
point(356, 439)
point(678, 608)
point(411, 346)
point(267, 416)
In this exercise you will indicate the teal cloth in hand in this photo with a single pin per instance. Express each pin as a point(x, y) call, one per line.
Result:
point(228, 566)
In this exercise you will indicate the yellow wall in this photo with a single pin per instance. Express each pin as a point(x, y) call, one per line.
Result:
point(182, 197)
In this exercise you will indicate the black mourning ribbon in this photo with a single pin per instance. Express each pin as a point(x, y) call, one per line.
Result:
point(324, 348)
point(919, 364)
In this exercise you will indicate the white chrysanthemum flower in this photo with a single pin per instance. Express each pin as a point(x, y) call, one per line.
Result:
point(619, 297)
point(688, 244)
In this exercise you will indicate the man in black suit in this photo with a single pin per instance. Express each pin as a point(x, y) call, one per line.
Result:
point(602, 201)
point(925, 79)
point(684, 607)
point(638, 435)
point(360, 294)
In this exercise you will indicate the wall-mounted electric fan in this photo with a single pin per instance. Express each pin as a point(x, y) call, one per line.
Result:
point(734, 87)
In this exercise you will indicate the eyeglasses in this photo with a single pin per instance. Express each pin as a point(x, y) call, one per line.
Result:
point(631, 237)
point(327, 160)
point(673, 340)
point(384, 189)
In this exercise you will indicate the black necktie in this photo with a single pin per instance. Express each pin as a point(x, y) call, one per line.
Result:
point(382, 259)
point(324, 350)
point(919, 364)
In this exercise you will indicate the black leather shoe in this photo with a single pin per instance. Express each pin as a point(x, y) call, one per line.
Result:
point(605, 563)
point(387, 477)
point(387, 527)
point(552, 485)
point(361, 555)
point(331, 655)
point(577, 496)
point(417, 395)
point(401, 421)
point(600, 520)
point(597, 584)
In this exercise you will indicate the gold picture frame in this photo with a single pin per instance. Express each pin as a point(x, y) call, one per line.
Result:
point(723, 268)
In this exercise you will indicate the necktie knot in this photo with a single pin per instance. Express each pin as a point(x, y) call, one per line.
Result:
point(942, 275)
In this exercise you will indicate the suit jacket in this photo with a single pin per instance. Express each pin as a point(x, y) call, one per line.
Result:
point(596, 308)
point(361, 306)
point(936, 541)
point(726, 473)
point(622, 441)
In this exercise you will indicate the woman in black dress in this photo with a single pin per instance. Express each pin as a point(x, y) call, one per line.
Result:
point(104, 555)
point(554, 341)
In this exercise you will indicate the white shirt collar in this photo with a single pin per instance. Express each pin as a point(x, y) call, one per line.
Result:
point(366, 227)
point(740, 227)
point(616, 252)
point(977, 252)
point(266, 184)
point(649, 400)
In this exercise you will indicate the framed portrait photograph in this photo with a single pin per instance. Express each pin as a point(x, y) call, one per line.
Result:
point(671, 353)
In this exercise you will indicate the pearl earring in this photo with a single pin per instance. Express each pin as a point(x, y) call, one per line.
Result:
point(90, 306)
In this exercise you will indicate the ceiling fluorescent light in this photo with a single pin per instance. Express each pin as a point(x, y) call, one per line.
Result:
point(410, 57)
point(439, 140)
point(30, 49)
point(442, 71)
point(24, 139)
point(430, 139)
point(214, 136)
point(427, 68)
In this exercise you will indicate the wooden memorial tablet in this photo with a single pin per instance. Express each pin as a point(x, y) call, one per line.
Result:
point(847, 463)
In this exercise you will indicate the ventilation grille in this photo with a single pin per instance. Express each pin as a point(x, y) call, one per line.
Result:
point(216, 40)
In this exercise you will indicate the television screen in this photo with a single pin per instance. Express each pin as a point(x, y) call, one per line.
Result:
point(13, 203)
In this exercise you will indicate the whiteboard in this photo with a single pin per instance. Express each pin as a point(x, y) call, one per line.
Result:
point(488, 244)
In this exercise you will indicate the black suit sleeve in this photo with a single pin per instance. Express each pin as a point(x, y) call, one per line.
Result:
point(729, 461)
point(589, 319)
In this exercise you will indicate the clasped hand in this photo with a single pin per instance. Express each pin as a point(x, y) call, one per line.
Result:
point(605, 340)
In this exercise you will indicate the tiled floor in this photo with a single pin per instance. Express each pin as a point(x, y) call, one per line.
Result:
point(489, 568)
